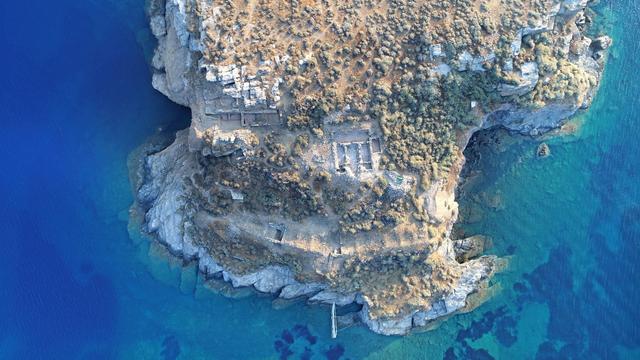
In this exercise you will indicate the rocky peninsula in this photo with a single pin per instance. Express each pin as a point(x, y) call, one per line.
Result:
point(327, 138)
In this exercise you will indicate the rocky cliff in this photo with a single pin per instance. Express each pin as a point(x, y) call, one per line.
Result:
point(326, 139)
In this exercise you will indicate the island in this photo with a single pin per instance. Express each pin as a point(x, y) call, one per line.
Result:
point(326, 140)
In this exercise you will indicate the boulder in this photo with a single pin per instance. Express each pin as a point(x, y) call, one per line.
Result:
point(301, 289)
point(601, 43)
point(268, 280)
point(543, 150)
point(330, 297)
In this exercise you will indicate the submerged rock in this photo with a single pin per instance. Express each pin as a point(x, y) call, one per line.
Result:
point(543, 150)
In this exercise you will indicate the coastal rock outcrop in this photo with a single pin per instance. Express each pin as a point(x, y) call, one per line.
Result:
point(322, 159)
point(269, 280)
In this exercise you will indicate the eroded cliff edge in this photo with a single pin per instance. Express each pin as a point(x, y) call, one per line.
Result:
point(326, 139)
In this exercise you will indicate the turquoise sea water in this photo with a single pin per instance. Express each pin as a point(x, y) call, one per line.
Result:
point(75, 100)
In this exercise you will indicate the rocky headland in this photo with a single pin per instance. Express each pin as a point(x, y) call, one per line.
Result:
point(327, 138)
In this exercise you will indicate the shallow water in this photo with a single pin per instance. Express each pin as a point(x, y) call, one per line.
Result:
point(76, 100)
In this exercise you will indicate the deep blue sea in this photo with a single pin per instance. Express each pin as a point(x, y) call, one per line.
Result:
point(75, 100)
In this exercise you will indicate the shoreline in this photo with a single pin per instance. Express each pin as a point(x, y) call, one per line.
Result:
point(216, 282)
point(281, 278)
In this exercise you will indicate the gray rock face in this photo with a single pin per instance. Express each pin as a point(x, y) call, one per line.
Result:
point(475, 272)
point(468, 248)
point(293, 291)
point(601, 43)
point(438, 309)
point(158, 26)
point(268, 280)
point(571, 7)
point(527, 81)
point(206, 264)
point(394, 326)
point(173, 56)
point(466, 61)
point(163, 191)
point(329, 297)
point(530, 122)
